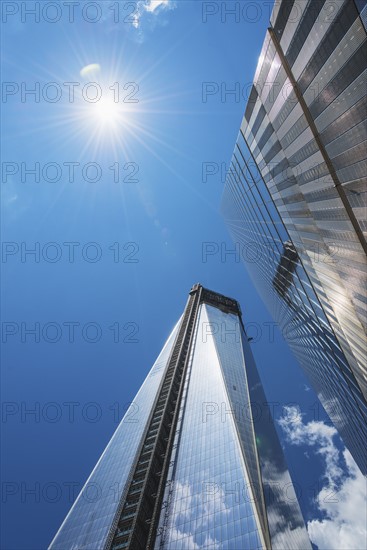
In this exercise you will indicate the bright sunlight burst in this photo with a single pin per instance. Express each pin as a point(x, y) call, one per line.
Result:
point(101, 110)
point(106, 113)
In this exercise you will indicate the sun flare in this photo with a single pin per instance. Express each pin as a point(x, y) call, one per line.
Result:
point(106, 113)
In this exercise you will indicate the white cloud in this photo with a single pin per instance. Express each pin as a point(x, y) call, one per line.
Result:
point(175, 535)
point(314, 433)
point(281, 539)
point(282, 506)
point(197, 517)
point(345, 510)
point(342, 501)
point(152, 7)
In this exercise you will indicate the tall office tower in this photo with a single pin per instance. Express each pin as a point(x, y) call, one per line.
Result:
point(295, 196)
point(195, 462)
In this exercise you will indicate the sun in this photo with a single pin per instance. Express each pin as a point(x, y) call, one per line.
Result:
point(106, 114)
point(100, 114)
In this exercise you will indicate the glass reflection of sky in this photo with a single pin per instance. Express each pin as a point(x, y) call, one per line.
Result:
point(209, 504)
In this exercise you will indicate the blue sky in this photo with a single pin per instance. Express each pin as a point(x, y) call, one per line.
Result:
point(122, 256)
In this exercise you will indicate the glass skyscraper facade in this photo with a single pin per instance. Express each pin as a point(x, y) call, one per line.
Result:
point(192, 464)
point(295, 197)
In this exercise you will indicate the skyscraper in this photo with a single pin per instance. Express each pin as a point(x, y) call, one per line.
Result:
point(191, 465)
point(295, 194)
